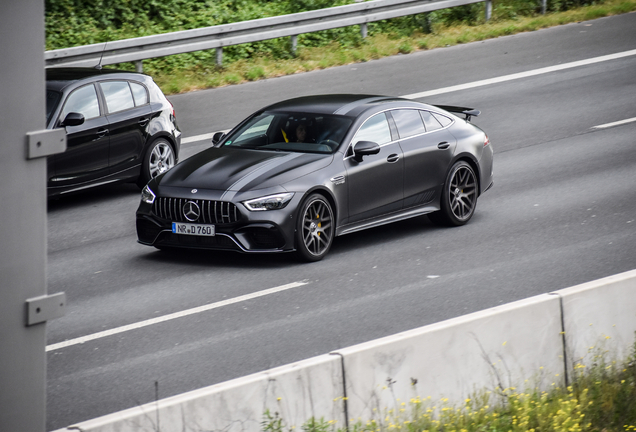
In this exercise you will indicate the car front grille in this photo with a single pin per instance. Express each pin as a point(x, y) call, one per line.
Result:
point(210, 212)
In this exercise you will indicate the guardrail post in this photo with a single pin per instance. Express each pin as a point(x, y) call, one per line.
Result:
point(489, 9)
point(544, 6)
point(219, 56)
point(363, 30)
point(139, 66)
point(294, 44)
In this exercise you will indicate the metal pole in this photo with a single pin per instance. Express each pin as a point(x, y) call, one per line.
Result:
point(488, 9)
point(139, 66)
point(23, 217)
point(219, 56)
point(294, 44)
point(363, 30)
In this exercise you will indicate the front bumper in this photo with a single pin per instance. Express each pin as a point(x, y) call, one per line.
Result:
point(262, 232)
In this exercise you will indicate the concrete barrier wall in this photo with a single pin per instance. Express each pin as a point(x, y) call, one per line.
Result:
point(599, 317)
point(489, 350)
point(529, 343)
point(297, 392)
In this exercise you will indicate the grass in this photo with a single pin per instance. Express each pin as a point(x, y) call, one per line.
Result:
point(601, 399)
point(373, 47)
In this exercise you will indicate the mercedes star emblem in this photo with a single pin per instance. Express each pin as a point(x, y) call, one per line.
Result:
point(191, 211)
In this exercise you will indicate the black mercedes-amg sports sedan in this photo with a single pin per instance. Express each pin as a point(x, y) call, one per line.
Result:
point(296, 174)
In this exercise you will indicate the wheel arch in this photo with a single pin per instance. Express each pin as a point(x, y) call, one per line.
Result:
point(468, 158)
point(328, 195)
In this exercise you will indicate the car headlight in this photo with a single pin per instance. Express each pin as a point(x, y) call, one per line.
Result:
point(147, 195)
point(270, 202)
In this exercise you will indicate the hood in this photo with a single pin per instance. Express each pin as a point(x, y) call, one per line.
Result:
point(235, 170)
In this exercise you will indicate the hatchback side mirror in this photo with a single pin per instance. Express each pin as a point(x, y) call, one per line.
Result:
point(73, 119)
point(365, 148)
point(217, 137)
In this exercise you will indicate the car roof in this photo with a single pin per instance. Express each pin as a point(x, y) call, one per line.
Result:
point(59, 78)
point(339, 104)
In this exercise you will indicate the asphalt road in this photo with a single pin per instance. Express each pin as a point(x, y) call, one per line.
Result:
point(562, 212)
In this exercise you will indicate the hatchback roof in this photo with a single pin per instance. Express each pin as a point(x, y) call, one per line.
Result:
point(74, 74)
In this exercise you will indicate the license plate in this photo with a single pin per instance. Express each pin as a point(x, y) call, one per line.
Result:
point(193, 229)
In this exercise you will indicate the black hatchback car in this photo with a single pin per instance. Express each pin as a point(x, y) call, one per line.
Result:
point(297, 174)
point(120, 127)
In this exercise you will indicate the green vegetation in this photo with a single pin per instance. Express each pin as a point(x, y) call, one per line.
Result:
point(81, 22)
point(601, 399)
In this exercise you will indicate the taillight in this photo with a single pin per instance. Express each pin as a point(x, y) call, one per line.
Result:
point(486, 140)
point(173, 112)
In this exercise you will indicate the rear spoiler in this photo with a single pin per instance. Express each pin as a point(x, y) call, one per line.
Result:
point(468, 112)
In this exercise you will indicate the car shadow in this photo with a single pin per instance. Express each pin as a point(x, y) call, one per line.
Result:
point(347, 244)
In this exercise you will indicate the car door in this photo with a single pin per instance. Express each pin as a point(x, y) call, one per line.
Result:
point(86, 155)
point(127, 115)
point(376, 182)
point(428, 149)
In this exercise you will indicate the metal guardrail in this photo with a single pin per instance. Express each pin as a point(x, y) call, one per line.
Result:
point(217, 37)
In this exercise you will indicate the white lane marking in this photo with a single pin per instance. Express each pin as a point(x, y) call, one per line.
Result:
point(520, 75)
point(196, 310)
point(617, 123)
point(197, 138)
point(481, 83)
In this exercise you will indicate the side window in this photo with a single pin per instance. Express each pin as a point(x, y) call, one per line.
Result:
point(445, 121)
point(430, 121)
point(408, 122)
point(83, 101)
point(118, 95)
point(139, 94)
point(375, 129)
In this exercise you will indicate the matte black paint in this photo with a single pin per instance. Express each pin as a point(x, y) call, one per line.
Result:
point(402, 180)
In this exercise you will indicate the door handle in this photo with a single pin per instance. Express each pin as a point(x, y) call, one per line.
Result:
point(443, 145)
point(143, 121)
point(101, 133)
point(392, 158)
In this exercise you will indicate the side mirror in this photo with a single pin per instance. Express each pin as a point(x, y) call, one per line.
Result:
point(73, 119)
point(217, 137)
point(365, 148)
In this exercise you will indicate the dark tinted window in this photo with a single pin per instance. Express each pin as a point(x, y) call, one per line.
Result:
point(408, 122)
point(430, 121)
point(83, 101)
point(305, 132)
point(52, 99)
point(139, 93)
point(118, 95)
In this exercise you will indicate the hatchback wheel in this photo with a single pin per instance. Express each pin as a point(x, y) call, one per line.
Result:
point(314, 228)
point(459, 196)
point(158, 159)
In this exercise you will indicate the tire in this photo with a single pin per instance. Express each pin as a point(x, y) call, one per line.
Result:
point(158, 159)
point(459, 196)
point(315, 228)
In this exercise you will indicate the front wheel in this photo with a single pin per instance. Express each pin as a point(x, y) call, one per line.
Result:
point(459, 196)
point(314, 228)
point(158, 159)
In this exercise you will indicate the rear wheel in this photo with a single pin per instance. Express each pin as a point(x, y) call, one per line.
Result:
point(158, 159)
point(314, 228)
point(459, 196)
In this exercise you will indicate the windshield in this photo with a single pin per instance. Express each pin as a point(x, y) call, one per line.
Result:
point(52, 99)
point(297, 132)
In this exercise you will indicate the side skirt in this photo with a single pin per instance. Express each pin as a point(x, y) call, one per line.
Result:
point(386, 219)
